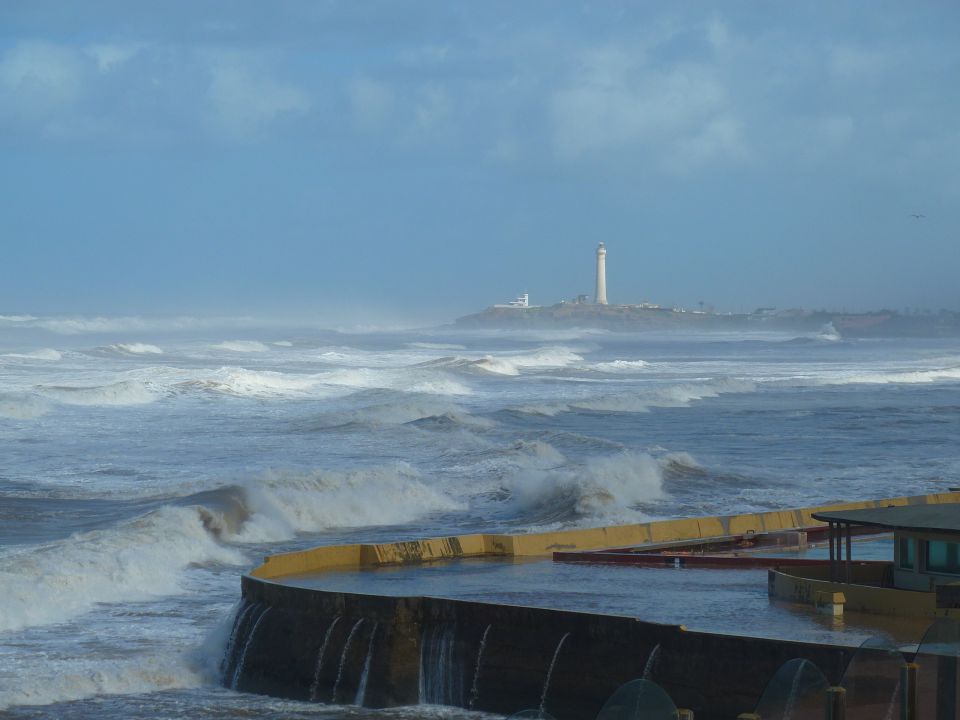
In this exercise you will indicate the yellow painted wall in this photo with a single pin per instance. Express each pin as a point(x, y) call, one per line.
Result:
point(540, 544)
point(859, 598)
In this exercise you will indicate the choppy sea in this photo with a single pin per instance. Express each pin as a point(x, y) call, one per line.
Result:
point(145, 464)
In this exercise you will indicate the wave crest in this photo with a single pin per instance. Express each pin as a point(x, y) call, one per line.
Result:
point(606, 488)
point(125, 392)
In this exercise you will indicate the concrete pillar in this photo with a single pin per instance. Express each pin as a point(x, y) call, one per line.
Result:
point(908, 691)
point(947, 687)
point(836, 703)
point(601, 298)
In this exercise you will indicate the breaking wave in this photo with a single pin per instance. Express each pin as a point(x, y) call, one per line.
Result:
point(136, 349)
point(149, 556)
point(22, 406)
point(242, 346)
point(544, 358)
point(681, 395)
point(45, 354)
point(608, 488)
point(401, 412)
point(125, 392)
point(282, 503)
point(435, 346)
point(906, 377)
point(621, 366)
point(251, 383)
point(65, 680)
point(137, 560)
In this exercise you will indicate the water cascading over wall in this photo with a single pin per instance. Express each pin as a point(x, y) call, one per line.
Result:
point(328, 647)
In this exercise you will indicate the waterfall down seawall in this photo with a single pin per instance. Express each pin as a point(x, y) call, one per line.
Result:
point(323, 646)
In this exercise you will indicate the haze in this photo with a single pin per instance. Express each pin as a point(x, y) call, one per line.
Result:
point(432, 158)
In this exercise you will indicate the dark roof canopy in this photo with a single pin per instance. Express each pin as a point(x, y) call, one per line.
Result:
point(922, 518)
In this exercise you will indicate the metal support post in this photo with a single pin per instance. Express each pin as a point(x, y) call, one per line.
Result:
point(836, 703)
point(908, 691)
point(849, 551)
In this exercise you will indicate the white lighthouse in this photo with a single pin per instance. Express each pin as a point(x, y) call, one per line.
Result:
point(601, 275)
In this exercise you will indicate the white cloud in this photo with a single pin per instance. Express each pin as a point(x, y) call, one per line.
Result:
point(617, 101)
point(721, 137)
point(432, 107)
point(718, 34)
point(244, 101)
point(835, 129)
point(109, 56)
point(37, 78)
point(850, 63)
point(371, 100)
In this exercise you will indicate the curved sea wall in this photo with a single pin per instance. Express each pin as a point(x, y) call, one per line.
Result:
point(379, 651)
point(382, 651)
point(345, 557)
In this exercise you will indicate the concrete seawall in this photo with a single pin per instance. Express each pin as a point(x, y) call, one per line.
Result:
point(418, 648)
point(345, 557)
point(381, 651)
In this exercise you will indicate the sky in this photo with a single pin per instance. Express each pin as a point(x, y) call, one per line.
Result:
point(365, 159)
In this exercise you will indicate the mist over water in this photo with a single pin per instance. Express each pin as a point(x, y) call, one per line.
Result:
point(146, 466)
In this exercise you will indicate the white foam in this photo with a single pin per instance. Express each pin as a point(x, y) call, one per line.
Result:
point(252, 383)
point(137, 348)
point(906, 377)
point(243, 346)
point(680, 461)
point(406, 411)
point(621, 366)
point(47, 354)
point(136, 560)
point(543, 358)
point(607, 488)
point(282, 503)
point(22, 406)
point(407, 380)
point(283, 343)
point(77, 679)
point(641, 401)
point(435, 346)
point(124, 392)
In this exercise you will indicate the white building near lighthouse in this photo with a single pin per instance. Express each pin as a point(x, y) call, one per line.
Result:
point(601, 298)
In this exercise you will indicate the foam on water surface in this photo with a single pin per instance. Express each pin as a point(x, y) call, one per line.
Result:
point(186, 452)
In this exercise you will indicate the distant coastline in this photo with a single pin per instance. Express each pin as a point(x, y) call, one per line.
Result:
point(632, 318)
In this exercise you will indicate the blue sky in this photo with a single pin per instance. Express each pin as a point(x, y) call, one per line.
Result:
point(425, 159)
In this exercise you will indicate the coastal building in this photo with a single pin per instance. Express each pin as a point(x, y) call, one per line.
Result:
point(922, 578)
point(521, 301)
point(601, 297)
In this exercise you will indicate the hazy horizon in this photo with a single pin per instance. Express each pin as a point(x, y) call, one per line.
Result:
point(411, 163)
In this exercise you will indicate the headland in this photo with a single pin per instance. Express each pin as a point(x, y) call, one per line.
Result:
point(645, 317)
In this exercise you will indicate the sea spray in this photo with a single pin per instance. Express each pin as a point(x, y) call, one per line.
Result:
point(546, 682)
point(343, 658)
point(135, 560)
point(604, 487)
point(321, 654)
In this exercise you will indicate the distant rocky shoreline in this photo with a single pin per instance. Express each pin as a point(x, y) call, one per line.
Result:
point(632, 318)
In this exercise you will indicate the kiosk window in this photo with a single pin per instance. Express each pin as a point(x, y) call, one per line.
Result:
point(907, 546)
point(943, 557)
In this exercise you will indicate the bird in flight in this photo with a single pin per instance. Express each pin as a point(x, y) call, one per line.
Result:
point(917, 216)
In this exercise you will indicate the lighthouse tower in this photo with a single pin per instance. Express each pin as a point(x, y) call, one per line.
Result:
point(601, 275)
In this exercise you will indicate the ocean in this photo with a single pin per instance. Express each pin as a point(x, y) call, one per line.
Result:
point(146, 463)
